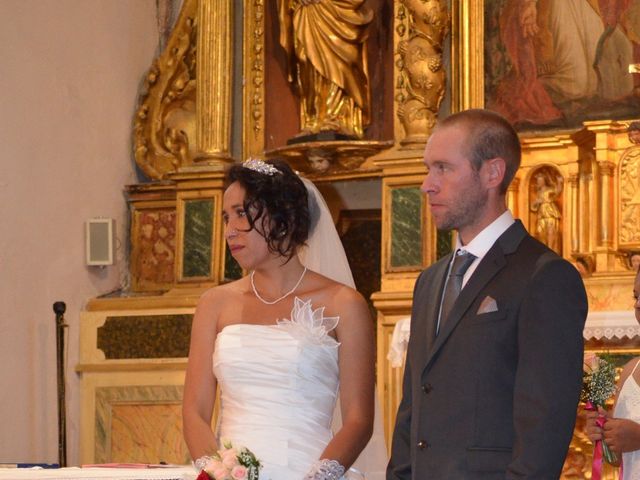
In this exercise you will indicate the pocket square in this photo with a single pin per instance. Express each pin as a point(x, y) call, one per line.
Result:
point(488, 305)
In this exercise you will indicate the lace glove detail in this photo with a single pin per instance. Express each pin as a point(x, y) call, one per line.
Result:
point(325, 469)
point(200, 463)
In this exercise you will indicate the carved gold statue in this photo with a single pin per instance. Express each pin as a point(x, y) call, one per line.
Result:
point(549, 217)
point(629, 187)
point(325, 42)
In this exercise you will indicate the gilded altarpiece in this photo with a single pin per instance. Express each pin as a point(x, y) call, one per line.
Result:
point(578, 189)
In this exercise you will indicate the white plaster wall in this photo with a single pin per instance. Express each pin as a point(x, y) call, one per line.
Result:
point(70, 71)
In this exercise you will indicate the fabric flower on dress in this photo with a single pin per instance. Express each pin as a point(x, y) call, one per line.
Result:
point(310, 325)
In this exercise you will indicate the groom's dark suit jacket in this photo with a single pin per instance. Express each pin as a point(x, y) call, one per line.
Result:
point(494, 395)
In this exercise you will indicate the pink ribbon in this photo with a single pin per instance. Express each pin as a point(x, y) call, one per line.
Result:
point(596, 466)
point(598, 454)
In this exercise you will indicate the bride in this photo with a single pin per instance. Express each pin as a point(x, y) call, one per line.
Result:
point(286, 345)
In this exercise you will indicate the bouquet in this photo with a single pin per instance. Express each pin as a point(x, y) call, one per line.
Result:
point(230, 463)
point(598, 385)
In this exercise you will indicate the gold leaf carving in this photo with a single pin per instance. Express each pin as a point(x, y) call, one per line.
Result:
point(630, 198)
point(257, 67)
point(422, 78)
point(165, 122)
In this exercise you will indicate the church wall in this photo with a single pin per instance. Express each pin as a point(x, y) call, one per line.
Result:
point(69, 75)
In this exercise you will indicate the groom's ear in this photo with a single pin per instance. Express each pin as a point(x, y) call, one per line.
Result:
point(492, 172)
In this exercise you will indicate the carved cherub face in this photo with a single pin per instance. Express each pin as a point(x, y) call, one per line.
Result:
point(319, 160)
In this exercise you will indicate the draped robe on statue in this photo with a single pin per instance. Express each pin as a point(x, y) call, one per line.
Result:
point(326, 50)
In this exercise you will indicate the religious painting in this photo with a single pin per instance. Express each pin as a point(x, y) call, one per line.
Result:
point(553, 64)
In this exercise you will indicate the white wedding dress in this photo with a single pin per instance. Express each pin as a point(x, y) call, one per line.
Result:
point(628, 406)
point(278, 389)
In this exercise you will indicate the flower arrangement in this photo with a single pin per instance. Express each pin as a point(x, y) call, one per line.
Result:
point(598, 385)
point(230, 463)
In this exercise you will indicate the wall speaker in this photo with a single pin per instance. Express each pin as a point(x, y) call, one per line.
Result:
point(99, 241)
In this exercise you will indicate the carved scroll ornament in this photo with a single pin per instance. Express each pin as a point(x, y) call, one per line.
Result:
point(165, 122)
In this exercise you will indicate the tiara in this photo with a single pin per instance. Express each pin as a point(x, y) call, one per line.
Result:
point(261, 167)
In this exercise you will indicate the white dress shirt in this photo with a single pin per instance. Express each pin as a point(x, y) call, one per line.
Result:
point(482, 242)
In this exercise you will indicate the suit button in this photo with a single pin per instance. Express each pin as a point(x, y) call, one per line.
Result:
point(426, 388)
point(422, 444)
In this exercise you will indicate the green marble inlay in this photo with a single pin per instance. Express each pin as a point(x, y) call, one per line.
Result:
point(198, 236)
point(406, 227)
point(232, 271)
point(444, 243)
point(145, 336)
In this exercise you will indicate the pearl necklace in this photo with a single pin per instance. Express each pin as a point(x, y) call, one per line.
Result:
point(255, 291)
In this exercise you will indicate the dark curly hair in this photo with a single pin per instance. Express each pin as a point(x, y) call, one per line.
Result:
point(276, 206)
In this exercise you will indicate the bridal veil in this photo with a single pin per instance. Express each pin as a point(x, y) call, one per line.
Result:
point(324, 254)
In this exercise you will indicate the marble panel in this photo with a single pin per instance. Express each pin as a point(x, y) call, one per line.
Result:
point(154, 245)
point(145, 336)
point(444, 243)
point(406, 227)
point(140, 424)
point(232, 271)
point(198, 235)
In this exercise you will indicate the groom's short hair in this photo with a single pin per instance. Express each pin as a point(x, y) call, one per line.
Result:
point(489, 136)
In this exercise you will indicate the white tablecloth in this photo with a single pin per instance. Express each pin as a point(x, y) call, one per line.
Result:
point(99, 473)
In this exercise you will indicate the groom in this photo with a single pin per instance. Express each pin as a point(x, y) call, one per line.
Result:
point(494, 365)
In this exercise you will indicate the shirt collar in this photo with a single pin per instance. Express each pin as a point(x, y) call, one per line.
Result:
point(481, 243)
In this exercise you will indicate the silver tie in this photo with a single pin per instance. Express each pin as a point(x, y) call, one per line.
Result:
point(461, 263)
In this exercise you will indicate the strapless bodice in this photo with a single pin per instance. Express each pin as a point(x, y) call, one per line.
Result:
point(278, 389)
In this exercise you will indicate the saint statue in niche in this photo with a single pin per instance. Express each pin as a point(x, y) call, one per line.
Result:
point(325, 43)
point(545, 206)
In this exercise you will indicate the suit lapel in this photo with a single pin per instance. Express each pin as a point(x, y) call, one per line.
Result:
point(435, 295)
point(490, 265)
point(426, 311)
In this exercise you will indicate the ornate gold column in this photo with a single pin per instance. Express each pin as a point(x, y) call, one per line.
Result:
point(607, 154)
point(574, 181)
point(605, 174)
point(420, 75)
point(467, 55)
point(585, 198)
point(214, 82)
point(610, 184)
point(254, 72)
